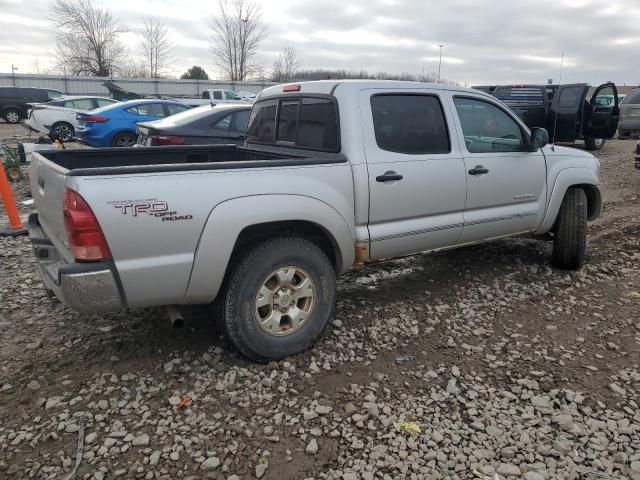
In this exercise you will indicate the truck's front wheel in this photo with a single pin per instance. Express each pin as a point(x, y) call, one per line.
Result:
point(591, 143)
point(570, 231)
point(278, 298)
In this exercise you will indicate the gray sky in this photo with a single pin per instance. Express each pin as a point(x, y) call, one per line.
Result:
point(490, 41)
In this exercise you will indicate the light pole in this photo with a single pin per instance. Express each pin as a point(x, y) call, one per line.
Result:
point(440, 63)
point(13, 74)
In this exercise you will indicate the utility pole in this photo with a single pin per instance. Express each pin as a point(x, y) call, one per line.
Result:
point(440, 63)
point(13, 74)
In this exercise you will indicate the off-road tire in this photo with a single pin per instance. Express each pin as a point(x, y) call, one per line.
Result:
point(593, 144)
point(236, 302)
point(570, 231)
point(11, 115)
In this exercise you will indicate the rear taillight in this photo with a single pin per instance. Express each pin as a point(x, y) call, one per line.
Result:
point(92, 118)
point(167, 140)
point(83, 231)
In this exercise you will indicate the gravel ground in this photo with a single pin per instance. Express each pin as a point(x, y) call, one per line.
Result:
point(480, 363)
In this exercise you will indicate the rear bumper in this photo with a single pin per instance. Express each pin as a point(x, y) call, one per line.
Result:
point(84, 287)
point(629, 125)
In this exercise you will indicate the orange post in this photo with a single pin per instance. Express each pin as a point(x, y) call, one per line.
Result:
point(15, 224)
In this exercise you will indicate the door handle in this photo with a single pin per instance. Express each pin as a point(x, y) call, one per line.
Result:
point(478, 170)
point(389, 176)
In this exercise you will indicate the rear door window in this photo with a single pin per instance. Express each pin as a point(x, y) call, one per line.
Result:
point(147, 110)
point(103, 102)
point(172, 109)
point(411, 124)
point(570, 97)
point(223, 125)
point(82, 104)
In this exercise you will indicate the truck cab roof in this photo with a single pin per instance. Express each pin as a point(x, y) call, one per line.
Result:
point(327, 87)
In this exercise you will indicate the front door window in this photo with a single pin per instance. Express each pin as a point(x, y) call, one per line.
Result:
point(487, 128)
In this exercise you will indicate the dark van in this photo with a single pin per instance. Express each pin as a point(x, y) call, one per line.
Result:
point(14, 101)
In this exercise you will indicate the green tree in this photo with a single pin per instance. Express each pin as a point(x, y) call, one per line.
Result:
point(195, 73)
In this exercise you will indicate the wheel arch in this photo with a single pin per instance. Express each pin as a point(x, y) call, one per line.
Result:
point(582, 178)
point(241, 223)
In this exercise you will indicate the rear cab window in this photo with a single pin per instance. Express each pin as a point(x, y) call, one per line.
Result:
point(309, 122)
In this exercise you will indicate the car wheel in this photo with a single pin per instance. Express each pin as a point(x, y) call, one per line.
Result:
point(11, 115)
point(570, 231)
point(594, 143)
point(124, 139)
point(64, 131)
point(278, 298)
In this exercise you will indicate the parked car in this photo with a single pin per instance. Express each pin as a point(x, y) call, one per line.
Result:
point(249, 96)
point(334, 173)
point(637, 155)
point(630, 115)
point(564, 110)
point(199, 126)
point(115, 125)
point(14, 101)
point(59, 116)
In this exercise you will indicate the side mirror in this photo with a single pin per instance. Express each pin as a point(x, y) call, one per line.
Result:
point(539, 138)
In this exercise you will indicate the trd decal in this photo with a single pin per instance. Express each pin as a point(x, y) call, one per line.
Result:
point(152, 207)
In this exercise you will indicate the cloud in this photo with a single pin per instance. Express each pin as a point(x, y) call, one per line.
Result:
point(501, 41)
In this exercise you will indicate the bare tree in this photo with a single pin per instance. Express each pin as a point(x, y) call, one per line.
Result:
point(87, 37)
point(236, 34)
point(286, 64)
point(156, 45)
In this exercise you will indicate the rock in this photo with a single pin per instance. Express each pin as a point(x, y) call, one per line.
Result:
point(210, 463)
point(103, 404)
point(154, 458)
point(508, 470)
point(33, 385)
point(350, 476)
point(141, 441)
point(312, 447)
point(91, 437)
point(350, 409)
point(564, 421)
point(533, 476)
point(617, 389)
point(635, 466)
point(323, 409)
point(174, 456)
point(261, 467)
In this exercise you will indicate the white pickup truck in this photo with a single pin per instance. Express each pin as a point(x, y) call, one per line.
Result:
point(333, 174)
point(216, 96)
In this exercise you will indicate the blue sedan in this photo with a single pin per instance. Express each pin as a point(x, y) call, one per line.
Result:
point(115, 125)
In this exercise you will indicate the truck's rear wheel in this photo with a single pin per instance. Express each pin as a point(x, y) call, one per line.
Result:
point(278, 298)
point(570, 231)
point(594, 143)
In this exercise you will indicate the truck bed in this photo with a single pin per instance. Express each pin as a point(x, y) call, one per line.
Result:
point(110, 161)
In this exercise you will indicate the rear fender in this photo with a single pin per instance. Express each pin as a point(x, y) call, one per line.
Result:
point(228, 219)
point(566, 179)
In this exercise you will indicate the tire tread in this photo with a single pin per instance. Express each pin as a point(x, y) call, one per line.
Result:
point(570, 231)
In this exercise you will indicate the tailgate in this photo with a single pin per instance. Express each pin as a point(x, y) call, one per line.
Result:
point(48, 182)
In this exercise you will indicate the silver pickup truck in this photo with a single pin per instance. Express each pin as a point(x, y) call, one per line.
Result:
point(333, 174)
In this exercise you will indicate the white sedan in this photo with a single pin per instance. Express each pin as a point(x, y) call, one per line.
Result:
point(59, 115)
